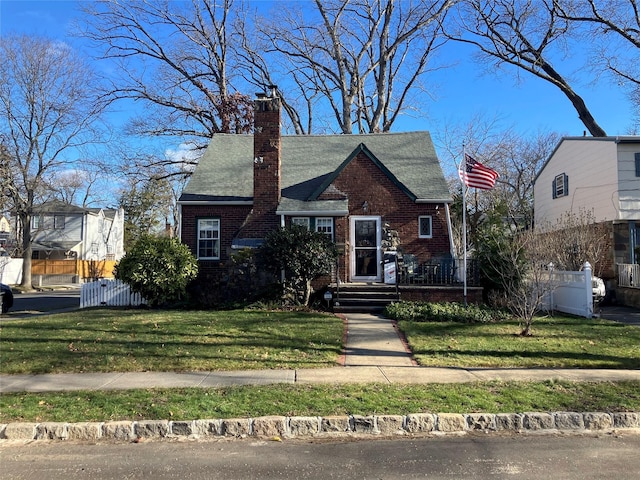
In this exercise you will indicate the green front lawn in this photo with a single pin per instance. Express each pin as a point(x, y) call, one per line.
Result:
point(319, 400)
point(112, 340)
point(557, 342)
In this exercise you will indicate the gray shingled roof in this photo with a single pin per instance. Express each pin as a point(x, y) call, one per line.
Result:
point(225, 171)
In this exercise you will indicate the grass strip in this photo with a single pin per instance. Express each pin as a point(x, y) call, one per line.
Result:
point(319, 400)
point(557, 342)
point(118, 340)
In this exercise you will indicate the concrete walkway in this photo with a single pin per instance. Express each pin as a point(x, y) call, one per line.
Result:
point(374, 354)
point(372, 340)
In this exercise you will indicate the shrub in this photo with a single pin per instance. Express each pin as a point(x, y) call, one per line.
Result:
point(303, 255)
point(159, 269)
point(444, 312)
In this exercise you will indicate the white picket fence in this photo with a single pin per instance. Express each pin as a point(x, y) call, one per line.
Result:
point(109, 293)
point(572, 292)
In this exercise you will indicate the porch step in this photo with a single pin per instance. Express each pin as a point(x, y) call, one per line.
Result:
point(363, 298)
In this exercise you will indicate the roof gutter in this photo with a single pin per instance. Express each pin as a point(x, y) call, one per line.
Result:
point(315, 213)
point(214, 202)
point(434, 200)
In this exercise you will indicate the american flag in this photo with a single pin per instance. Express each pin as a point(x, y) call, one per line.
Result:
point(476, 175)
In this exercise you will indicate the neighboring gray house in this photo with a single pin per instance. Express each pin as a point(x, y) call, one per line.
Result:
point(60, 231)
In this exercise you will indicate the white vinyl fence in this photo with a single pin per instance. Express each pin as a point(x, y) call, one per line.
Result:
point(109, 293)
point(572, 292)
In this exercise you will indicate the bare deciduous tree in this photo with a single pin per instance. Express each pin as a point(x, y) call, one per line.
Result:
point(526, 34)
point(516, 263)
point(578, 238)
point(49, 111)
point(362, 58)
point(613, 28)
point(175, 58)
point(516, 157)
point(84, 185)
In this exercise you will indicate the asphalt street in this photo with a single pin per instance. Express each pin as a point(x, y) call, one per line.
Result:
point(526, 457)
point(36, 303)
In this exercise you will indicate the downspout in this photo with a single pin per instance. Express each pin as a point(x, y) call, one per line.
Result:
point(282, 273)
point(451, 247)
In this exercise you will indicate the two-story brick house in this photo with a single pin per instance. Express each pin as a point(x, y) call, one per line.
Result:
point(354, 188)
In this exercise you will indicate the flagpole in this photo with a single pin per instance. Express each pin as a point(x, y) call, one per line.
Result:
point(464, 227)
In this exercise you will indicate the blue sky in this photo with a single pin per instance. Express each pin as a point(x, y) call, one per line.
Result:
point(459, 93)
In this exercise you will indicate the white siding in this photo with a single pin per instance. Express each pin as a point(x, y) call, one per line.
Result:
point(628, 184)
point(590, 165)
point(72, 231)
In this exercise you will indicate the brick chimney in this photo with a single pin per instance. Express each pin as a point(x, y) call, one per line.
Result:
point(266, 161)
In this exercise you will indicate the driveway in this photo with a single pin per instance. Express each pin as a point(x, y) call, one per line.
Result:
point(628, 315)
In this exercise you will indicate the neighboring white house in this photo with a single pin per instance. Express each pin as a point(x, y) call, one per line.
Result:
point(598, 175)
point(5, 235)
point(61, 231)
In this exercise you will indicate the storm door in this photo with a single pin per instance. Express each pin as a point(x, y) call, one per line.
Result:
point(365, 249)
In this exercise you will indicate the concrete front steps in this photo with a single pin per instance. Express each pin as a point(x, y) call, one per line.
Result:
point(362, 297)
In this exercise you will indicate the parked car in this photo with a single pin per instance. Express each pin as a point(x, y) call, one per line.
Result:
point(599, 290)
point(6, 296)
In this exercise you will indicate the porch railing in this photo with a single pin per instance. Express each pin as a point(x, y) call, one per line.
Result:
point(629, 275)
point(441, 272)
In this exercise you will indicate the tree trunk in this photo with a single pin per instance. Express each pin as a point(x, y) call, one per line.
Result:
point(576, 100)
point(307, 292)
point(526, 331)
point(27, 249)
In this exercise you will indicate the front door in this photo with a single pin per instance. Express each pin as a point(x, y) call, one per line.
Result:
point(365, 249)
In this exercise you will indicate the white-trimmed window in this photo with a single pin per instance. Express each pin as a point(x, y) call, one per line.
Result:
point(208, 239)
point(325, 225)
point(425, 226)
point(302, 221)
point(36, 222)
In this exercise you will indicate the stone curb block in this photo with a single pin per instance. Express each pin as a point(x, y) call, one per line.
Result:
point(291, 427)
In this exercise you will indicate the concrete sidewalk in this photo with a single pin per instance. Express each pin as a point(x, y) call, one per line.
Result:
point(337, 375)
point(375, 353)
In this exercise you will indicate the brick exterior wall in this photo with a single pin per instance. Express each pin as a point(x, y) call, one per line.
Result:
point(363, 181)
point(231, 218)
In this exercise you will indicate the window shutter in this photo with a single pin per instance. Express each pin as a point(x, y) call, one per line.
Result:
point(637, 164)
point(566, 185)
point(553, 188)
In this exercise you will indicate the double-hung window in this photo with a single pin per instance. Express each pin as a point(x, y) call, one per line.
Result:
point(208, 239)
point(325, 225)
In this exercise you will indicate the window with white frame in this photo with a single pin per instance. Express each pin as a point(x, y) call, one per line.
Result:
point(425, 226)
point(208, 239)
point(325, 225)
point(302, 221)
point(36, 222)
